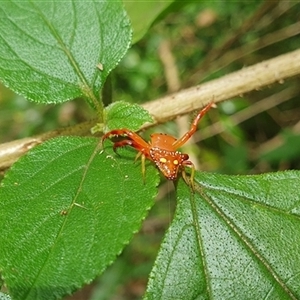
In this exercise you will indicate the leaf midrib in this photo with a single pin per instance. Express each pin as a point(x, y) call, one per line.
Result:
point(245, 240)
point(73, 203)
point(85, 88)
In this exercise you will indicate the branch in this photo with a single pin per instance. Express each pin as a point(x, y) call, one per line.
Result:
point(166, 108)
point(237, 83)
point(11, 151)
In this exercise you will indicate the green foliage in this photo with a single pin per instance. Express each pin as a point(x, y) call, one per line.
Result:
point(67, 210)
point(68, 207)
point(48, 53)
point(237, 237)
point(141, 22)
point(124, 115)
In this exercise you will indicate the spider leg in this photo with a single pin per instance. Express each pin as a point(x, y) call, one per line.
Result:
point(178, 143)
point(122, 144)
point(143, 166)
point(188, 163)
point(139, 142)
point(144, 152)
point(143, 158)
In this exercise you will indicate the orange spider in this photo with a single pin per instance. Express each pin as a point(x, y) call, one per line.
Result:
point(162, 149)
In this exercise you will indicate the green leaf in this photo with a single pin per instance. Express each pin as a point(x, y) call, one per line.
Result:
point(50, 50)
point(125, 115)
point(67, 209)
point(237, 237)
point(141, 22)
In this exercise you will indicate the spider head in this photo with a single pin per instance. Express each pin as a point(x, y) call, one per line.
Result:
point(168, 162)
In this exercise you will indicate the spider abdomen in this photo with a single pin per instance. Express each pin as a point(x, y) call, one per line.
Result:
point(168, 162)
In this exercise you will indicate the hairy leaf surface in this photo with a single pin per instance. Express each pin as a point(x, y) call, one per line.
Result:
point(66, 210)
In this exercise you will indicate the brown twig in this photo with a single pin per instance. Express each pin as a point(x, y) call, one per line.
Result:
point(166, 108)
point(173, 82)
point(248, 113)
point(237, 83)
point(11, 151)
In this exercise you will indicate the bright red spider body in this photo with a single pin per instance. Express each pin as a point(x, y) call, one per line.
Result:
point(161, 149)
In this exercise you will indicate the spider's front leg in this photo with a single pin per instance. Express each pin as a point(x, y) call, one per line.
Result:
point(178, 143)
point(136, 146)
point(135, 141)
point(125, 132)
